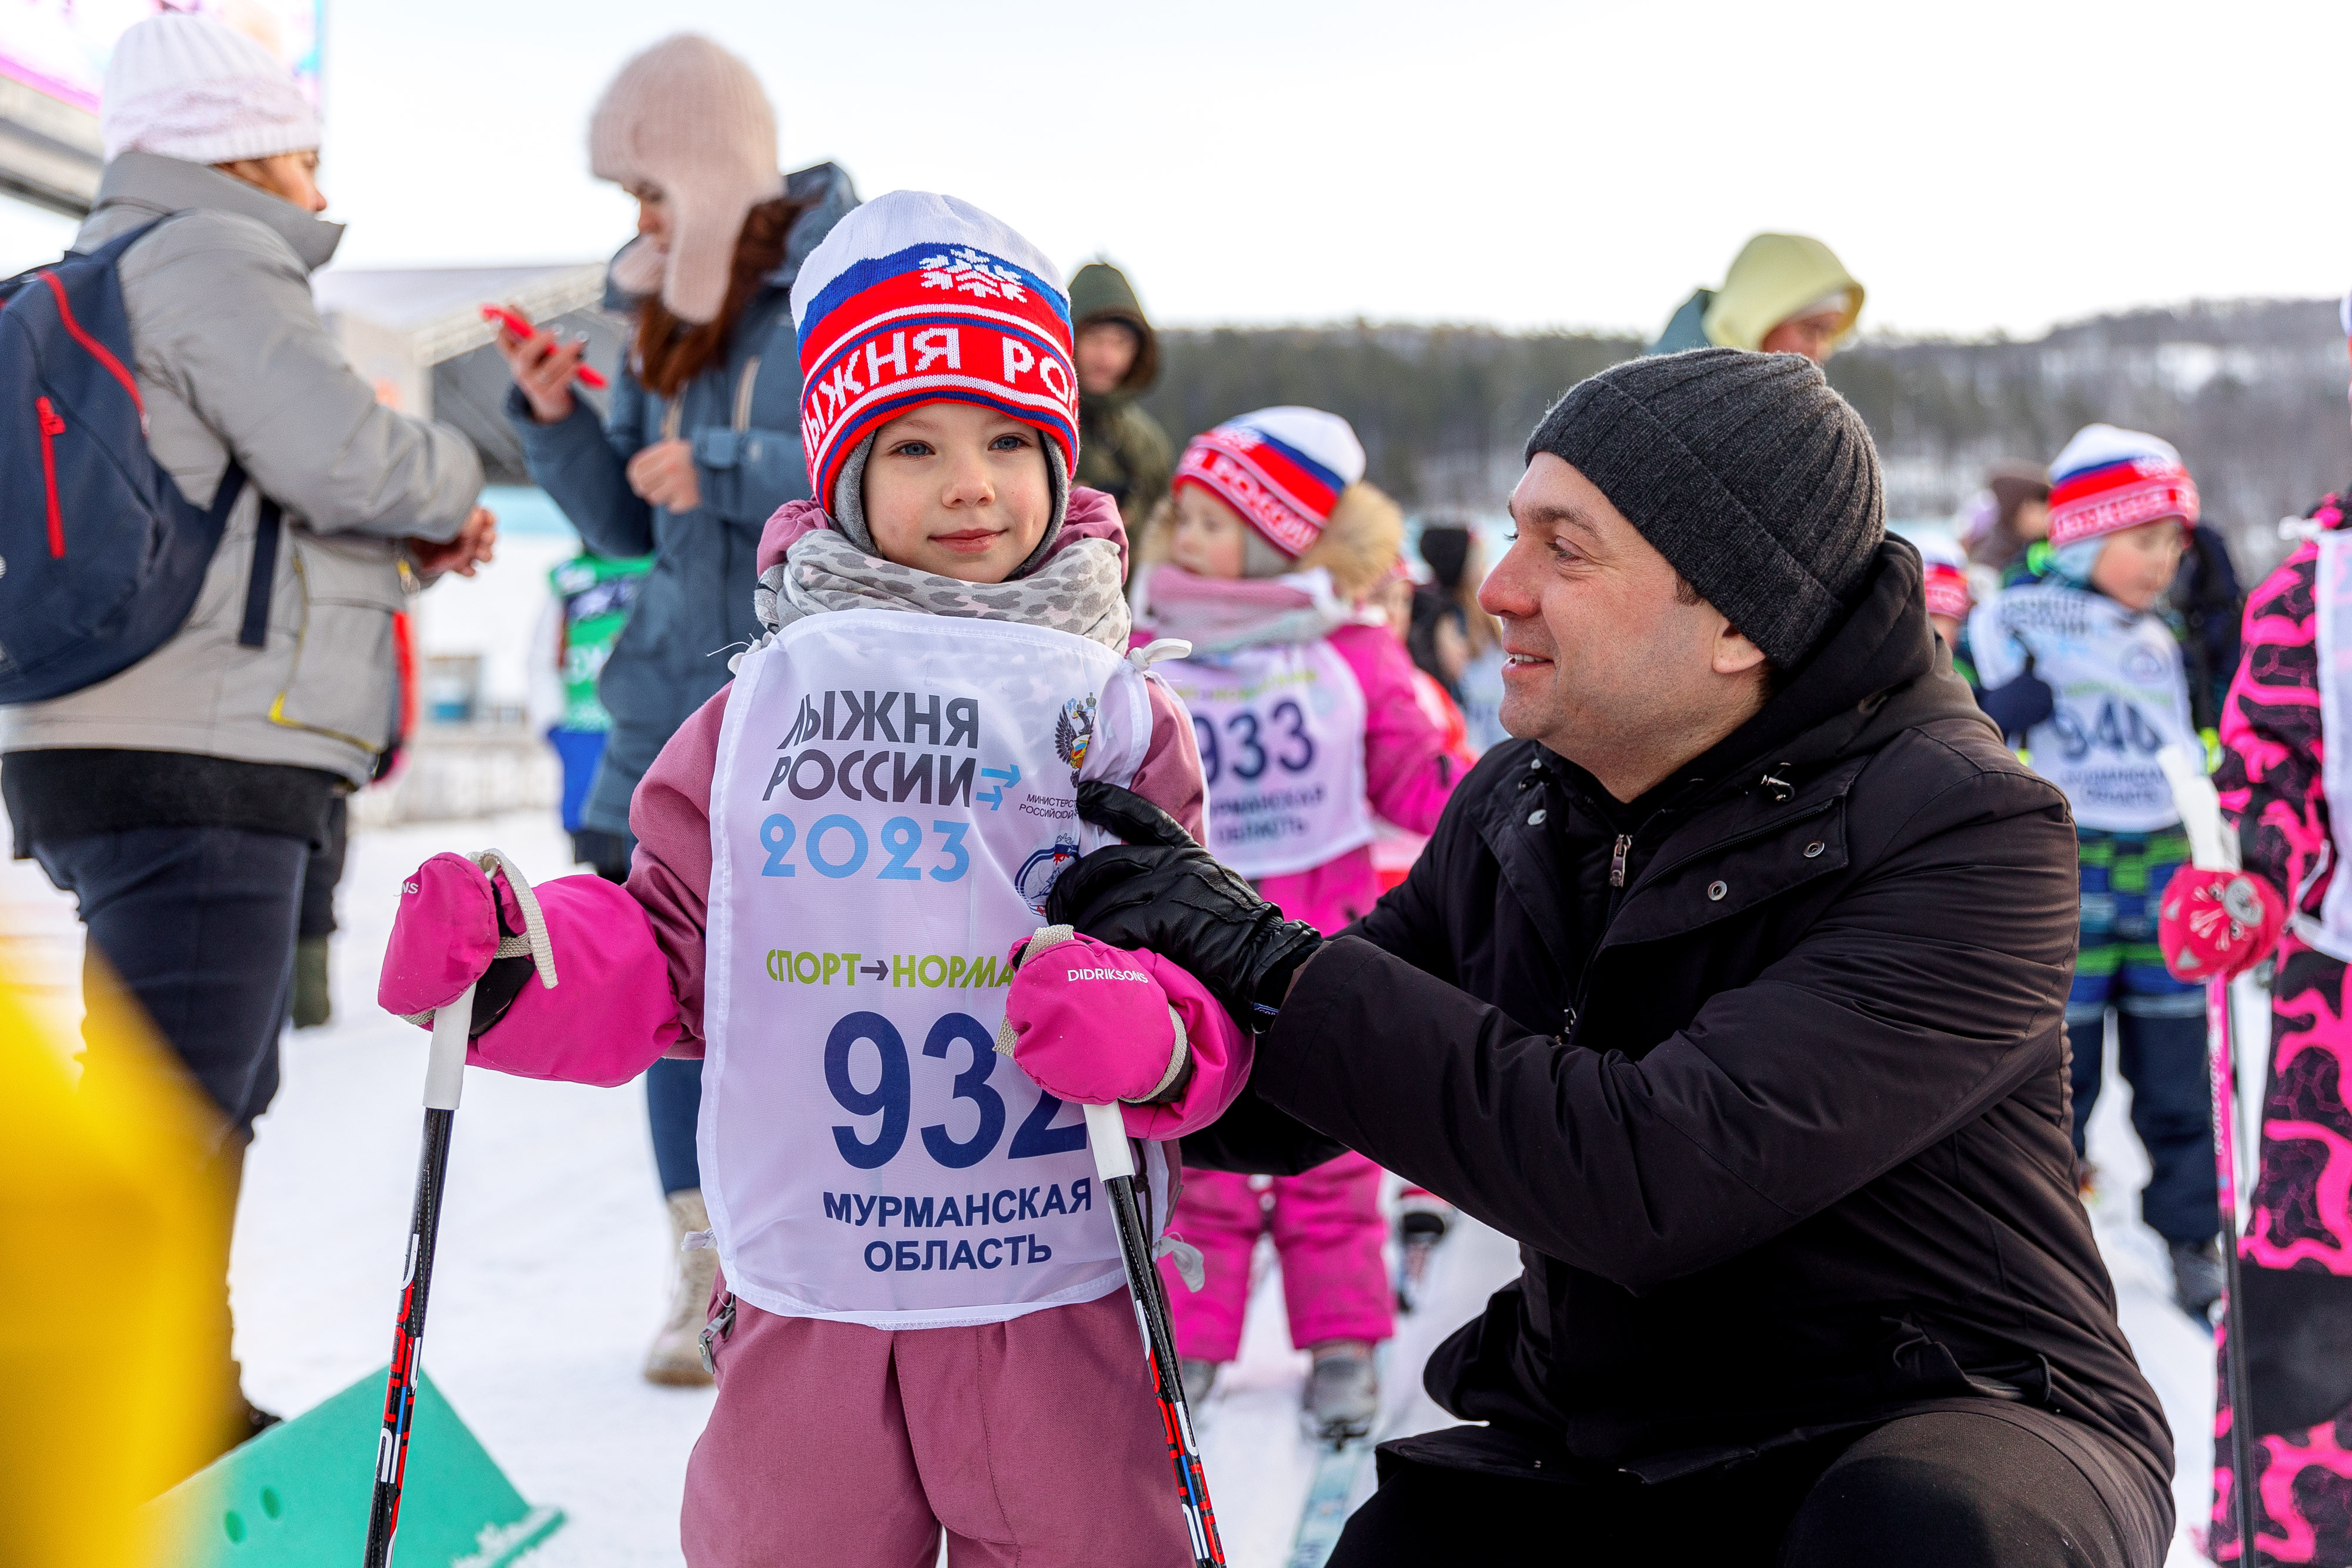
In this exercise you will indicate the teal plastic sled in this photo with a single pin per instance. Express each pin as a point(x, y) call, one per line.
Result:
point(297, 1496)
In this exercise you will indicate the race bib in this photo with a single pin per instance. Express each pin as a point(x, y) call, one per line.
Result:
point(2121, 698)
point(1281, 730)
point(893, 797)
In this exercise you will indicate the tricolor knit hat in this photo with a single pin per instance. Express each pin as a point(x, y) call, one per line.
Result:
point(190, 87)
point(689, 118)
point(2108, 479)
point(1948, 591)
point(1281, 468)
point(916, 298)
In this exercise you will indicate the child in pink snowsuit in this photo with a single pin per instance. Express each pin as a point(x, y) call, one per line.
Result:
point(1304, 704)
point(2286, 711)
point(920, 1323)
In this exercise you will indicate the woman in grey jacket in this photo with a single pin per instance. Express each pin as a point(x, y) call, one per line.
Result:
point(178, 799)
point(701, 444)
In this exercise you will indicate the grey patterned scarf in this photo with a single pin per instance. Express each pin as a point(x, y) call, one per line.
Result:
point(1077, 589)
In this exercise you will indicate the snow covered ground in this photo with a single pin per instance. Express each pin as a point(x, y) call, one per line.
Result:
point(551, 1272)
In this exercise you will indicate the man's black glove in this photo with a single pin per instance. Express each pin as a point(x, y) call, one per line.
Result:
point(1162, 892)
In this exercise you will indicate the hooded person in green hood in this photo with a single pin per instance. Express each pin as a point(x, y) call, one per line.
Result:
point(1123, 451)
point(1784, 294)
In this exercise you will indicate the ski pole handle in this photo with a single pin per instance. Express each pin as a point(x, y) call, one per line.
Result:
point(1107, 1136)
point(445, 1069)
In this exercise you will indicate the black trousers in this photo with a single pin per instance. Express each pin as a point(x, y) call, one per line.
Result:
point(199, 926)
point(1996, 1488)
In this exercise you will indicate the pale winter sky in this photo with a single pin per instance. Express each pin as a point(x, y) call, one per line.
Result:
point(1992, 166)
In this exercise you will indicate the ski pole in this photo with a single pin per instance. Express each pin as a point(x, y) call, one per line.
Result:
point(2212, 849)
point(1115, 1163)
point(444, 1079)
point(2233, 1340)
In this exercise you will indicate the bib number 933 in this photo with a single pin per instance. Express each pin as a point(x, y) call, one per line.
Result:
point(867, 1046)
point(1249, 745)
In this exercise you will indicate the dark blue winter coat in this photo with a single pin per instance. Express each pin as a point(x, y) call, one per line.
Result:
point(742, 414)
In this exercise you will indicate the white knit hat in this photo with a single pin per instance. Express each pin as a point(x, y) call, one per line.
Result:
point(187, 87)
point(691, 118)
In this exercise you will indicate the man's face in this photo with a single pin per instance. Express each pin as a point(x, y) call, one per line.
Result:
point(1106, 353)
point(1604, 662)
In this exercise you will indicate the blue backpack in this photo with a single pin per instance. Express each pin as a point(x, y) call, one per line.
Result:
point(100, 556)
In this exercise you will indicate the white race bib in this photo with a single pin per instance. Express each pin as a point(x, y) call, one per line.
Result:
point(2121, 698)
point(893, 795)
point(2332, 632)
point(1281, 728)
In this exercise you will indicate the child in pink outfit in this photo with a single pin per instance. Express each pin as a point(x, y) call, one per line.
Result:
point(1309, 725)
point(920, 1323)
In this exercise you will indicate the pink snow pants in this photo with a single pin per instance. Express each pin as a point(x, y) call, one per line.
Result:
point(1327, 1232)
point(1034, 1442)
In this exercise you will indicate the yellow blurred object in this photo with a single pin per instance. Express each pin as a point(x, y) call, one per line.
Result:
point(1772, 278)
point(111, 1227)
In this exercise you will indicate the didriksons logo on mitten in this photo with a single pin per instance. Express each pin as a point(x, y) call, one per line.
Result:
point(1136, 975)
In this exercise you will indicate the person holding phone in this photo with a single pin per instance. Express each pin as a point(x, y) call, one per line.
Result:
point(700, 443)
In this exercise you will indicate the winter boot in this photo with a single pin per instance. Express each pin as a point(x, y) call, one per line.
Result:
point(312, 1004)
point(2196, 1281)
point(1199, 1376)
point(1343, 1391)
point(676, 1356)
point(1422, 1220)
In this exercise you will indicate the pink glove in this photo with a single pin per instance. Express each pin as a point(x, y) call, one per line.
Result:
point(1088, 1022)
point(2214, 924)
point(445, 936)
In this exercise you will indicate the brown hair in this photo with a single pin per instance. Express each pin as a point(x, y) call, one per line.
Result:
point(671, 352)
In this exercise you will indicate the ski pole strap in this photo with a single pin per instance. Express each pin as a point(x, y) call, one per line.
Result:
point(533, 941)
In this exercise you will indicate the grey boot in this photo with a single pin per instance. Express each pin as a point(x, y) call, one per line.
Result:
point(675, 1357)
point(2197, 1279)
point(1343, 1392)
point(1198, 1376)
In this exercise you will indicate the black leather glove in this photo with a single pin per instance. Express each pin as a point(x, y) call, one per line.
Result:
point(1162, 892)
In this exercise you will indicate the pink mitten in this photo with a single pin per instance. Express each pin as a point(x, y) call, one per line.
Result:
point(445, 936)
point(1088, 1022)
point(2215, 924)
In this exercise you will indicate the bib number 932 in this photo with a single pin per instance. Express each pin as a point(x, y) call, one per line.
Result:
point(866, 1046)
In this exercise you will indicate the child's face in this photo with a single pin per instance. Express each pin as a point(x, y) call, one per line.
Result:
point(1947, 627)
point(1208, 541)
point(958, 490)
point(2139, 563)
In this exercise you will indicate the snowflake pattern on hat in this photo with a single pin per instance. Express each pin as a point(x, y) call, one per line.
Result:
point(968, 270)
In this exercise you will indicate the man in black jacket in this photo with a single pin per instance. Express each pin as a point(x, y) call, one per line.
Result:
point(1735, 992)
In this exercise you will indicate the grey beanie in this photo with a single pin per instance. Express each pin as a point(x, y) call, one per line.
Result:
point(1756, 481)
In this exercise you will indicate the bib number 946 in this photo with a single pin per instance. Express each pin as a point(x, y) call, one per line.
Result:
point(892, 1094)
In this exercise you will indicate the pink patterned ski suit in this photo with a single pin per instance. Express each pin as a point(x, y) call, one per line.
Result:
point(2296, 1256)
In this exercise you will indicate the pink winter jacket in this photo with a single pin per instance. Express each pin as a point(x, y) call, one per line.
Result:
point(604, 935)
